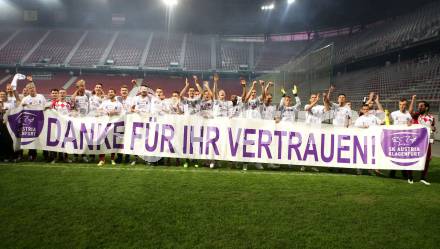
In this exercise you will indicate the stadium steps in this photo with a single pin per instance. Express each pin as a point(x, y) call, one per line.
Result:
point(75, 48)
point(34, 48)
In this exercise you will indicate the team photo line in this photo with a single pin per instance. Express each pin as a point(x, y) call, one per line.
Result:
point(204, 103)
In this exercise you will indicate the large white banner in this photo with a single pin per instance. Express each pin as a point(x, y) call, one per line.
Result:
point(244, 140)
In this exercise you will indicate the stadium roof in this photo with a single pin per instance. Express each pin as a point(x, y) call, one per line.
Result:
point(210, 16)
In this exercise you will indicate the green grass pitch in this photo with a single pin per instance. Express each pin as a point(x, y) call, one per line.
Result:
point(83, 206)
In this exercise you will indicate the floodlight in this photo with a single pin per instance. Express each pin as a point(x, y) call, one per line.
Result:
point(170, 3)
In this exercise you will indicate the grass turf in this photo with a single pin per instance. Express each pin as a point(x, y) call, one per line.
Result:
point(82, 206)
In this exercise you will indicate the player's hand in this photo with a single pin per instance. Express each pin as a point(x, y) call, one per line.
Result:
point(414, 97)
point(317, 96)
point(332, 88)
point(295, 90)
point(371, 96)
point(243, 83)
point(206, 84)
point(270, 83)
point(283, 91)
point(186, 82)
point(195, 78)
point(261, 82)
point(216, 77)
point(254, 83)
point(29, 78)
point(133, 81)
point(377, 98)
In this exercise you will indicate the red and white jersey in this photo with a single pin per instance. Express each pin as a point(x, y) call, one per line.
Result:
point(62, 107)
point(426, 120)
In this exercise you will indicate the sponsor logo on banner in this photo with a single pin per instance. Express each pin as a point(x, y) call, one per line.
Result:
point(405, 147)
point(27, 125)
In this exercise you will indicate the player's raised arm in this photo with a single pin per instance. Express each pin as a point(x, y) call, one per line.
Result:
point(185, 88)
point(263, 90)
point(196, 81)
point(215, 87)
point(295, 95)
point(329, 92)
point(266, 89)
point(379, 105)
point(411, 105)
point(243, 86)
point(206, 85)
point(313, 103)
point(248, 94)
point(326, 100)
point(370, 98)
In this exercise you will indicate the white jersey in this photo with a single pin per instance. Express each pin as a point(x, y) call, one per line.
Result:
point(142, 104)
point(268, 112)
point(221, 108)
point(126, 103)
point(191, 106)
point(95, 102)
point(81, 104)
point(36, 101)
point(206, 108)
point(108, 106)
point(236, 111)
point(12, 100)
point(157, 106)
point(314, 116)
point(378, 113)
point(253, 108)
point(366, 121)
point(341, 115)
point(401, 118)
point(288, 113)
point(7, 106)
point(173, 106)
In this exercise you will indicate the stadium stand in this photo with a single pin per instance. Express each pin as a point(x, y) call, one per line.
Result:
point(422, 24)
point(128, 47)
point(275, 54)
point(20, 45)
point(91, 49)
point(232, 54)
point(420, 77)
point(165, 48)
point(198, 52)
point(55, 47)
